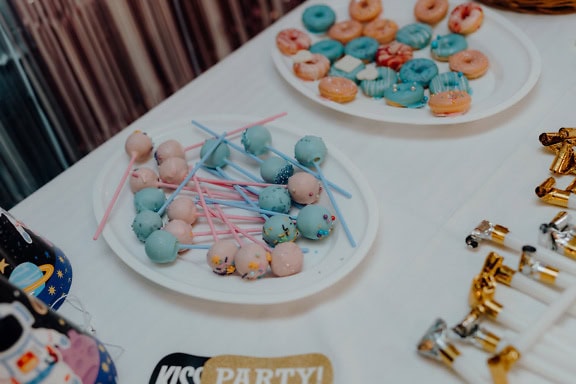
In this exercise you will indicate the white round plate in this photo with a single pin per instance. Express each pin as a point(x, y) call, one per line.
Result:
point(326, 261)
point(515, 66)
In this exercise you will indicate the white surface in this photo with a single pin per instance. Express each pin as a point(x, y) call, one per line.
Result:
point(434, 184)
point(515, 66)
point(190, 274)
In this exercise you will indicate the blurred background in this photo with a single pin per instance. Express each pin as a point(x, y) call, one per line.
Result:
point(75, 72)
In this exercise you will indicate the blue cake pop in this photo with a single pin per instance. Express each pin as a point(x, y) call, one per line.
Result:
point(310, 150)
point(256, 140)
point(219, 155)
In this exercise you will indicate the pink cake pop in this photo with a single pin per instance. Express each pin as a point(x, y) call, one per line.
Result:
point(139, 147)
point(287, 259)
point(169, 148)
point(181, 230)
point(182, 208)
point(173, 170)
point(304, 188)
point(141, 178)
point(220, 257)
point(252, 261)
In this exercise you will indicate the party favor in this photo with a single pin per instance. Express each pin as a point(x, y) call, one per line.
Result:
point(37, 345)
point(32, 263)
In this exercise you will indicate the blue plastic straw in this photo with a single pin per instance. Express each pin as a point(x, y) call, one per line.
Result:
point(335, 205)
point(190, 174)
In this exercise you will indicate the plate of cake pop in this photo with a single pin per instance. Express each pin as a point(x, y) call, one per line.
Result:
point(236, 209)
point(424, 62)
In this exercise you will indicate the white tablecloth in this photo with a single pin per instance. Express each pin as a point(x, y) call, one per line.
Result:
point(433, 183)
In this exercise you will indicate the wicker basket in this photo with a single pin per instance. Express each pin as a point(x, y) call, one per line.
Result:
point(553, 7)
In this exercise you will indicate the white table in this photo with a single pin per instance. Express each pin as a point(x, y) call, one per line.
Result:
point(434, 184)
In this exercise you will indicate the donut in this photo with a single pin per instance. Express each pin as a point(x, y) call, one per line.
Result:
point(405, 95)
point(375, 87)
point(347, 67)
point(416, 35)
point(449, 103)
point(338, 89)
point(345, 30)
point(313, 69)
point(291, 40)
point(430, 11)
point(393, 55)
point(420, 70)
point(471, 63)
point(318, 18)
point(447, 81)
point(444, 46)
point(363, 48)
point(332, 49)
point(466, 18)
point(364, 10)
point(383, 30)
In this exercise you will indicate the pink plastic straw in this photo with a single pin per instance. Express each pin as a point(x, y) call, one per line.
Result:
point(227, 232)
point(203, 204)
point(114, 197)
point(238, 130)
point(225, 219)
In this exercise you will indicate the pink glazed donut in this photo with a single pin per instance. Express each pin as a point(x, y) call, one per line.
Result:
point(466, 18)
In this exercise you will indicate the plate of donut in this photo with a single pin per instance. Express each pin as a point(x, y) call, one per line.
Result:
point(325, 261)
point(514, 64)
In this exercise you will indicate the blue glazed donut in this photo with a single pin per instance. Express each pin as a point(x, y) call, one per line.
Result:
point(363, 48)
point(420, 70)
point(375, 88)
point(405, 95)
point(416, 35)
point(442, 47)
point(318, 18)
point(448, 81)
point(332, 49)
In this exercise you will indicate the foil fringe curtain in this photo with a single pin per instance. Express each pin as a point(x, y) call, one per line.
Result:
point(75, 72)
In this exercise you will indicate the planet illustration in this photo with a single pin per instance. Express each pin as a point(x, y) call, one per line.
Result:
point(31, 278)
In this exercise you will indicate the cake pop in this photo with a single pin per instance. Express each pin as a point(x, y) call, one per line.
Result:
point(207, 152)
point(287, 259)
point(276, 170)
point(181, 230)
point(275, 198)
point(304, 188)
point(252, 261)
point(314, 222)
point(238, 130)
point(139, 147)
point(149, 199)
point(220, 257)
point(256, 140)
point(310, 150)
point(163, 247)
point(182, 208)
point(279, 229)
point(219, 153)
point(169, 148)
point(146, 222)
point(143, 177)
point(173, 170)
